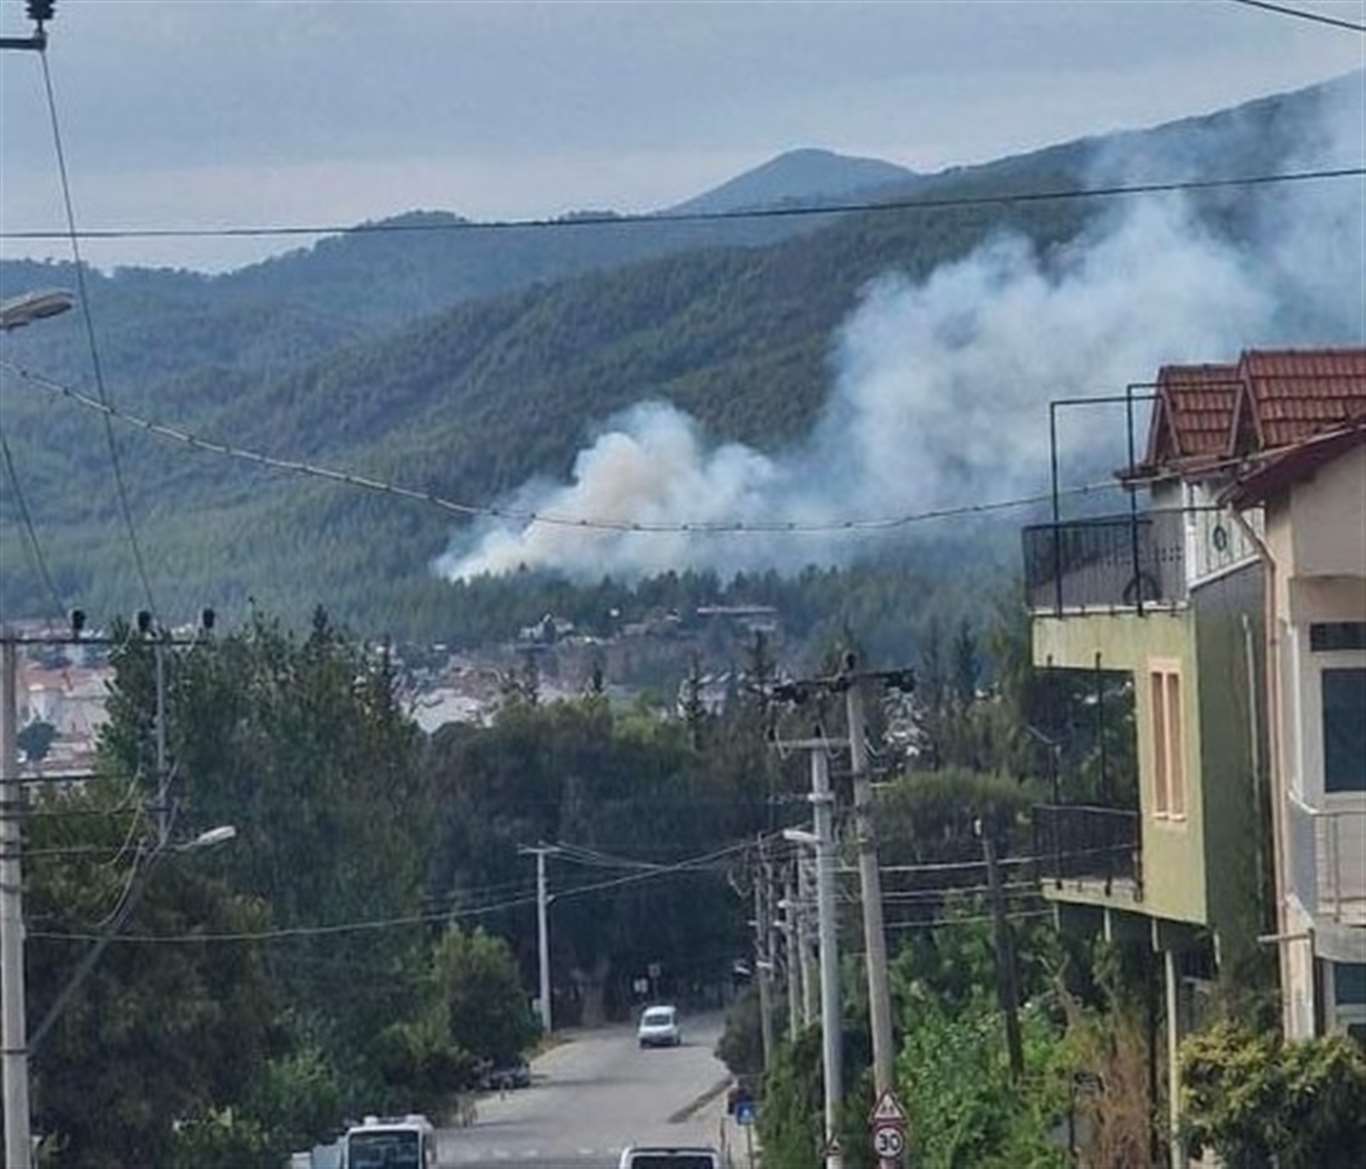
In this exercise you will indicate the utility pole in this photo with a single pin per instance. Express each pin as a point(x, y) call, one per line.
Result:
point(763, 957)
point(540, 852)
point(870, 883)
point(792, 959)
point(810, 983)
point(832, 1024)
point(163, 777)
point(18, 1147)
point(1007, 989)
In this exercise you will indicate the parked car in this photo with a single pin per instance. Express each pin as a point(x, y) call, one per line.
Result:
point(659, 1027)
point(506, 1077)
point(697, 1157)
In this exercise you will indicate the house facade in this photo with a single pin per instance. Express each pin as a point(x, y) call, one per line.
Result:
point(1313, 496)
point(1174, 597)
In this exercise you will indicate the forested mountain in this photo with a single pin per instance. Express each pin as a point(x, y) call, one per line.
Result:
point(798, 176)
point(307, 356)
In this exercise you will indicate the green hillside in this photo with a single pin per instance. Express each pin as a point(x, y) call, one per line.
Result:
point(471, 401)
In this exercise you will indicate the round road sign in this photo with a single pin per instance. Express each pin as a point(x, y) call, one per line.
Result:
point(888, 1142)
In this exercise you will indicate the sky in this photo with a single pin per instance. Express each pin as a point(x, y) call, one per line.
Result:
point(216, 112)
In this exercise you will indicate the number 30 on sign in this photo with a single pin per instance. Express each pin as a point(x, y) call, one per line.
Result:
point(889, 1142)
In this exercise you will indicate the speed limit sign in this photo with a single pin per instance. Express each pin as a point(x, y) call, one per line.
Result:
point(889, 1142)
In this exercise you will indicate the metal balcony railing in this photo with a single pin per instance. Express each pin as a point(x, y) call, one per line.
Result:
point(1328, 861)
point(1082, 842)
point(1109, 562)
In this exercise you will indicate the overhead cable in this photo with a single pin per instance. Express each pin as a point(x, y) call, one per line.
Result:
point(395, 922)
point(1302, 14)
point(74, 237)
point(1001, 198)
point(33, 545)
point(526, 516)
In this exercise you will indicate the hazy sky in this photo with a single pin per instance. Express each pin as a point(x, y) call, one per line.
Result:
point(208, 112)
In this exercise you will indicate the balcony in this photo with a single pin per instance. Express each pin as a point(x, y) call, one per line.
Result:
point(1088, 854)
point(1328, 862)
point(1105, 564)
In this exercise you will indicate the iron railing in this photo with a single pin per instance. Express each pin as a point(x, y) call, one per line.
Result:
point(1109, 562)
point(1328, 860)
point(1082, 842)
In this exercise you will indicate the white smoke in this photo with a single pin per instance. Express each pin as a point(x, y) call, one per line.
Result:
point(940, 390)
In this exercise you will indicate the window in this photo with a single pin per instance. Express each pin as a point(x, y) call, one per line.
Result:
point(1169, 763)
point(1349, 998)
point(1349, 984)
point(1344, 730)
point(1325, 636)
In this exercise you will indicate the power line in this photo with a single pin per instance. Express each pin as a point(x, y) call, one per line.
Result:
point(74, 237)
point(1301, 14)
point(33, 545)
point(1004, 198)
point(524, 516)
point(394, 922)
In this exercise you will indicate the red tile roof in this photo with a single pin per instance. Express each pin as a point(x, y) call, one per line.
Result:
point(1193, 412)
point(1292, 464)
point(1296, 393)
point(1272, 398)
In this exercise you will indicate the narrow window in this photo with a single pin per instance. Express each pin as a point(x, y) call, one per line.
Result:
point(1344, 730)
point(1161, 803)
point(1176, 768)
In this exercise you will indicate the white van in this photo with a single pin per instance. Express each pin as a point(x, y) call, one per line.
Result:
point(390, 1142)
point(659, 1027)
point(661, 1157)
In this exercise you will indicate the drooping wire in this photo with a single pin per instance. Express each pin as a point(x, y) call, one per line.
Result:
point(1302, 14)
point(1003, 198)
point(71, 233)
point(32, 543)
point(520, 515)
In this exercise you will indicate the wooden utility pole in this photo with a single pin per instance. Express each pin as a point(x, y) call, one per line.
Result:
point(1007, 988)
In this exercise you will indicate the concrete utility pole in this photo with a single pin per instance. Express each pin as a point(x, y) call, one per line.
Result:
point(810, 982)
point(18, 1146)
point(792, 959)
point(163, 777)
point(763, 957)
point(870, 883)
point(832, 1024)
point(543, 899)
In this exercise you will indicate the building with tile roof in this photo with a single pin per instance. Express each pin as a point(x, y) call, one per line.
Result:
point(1174, 598)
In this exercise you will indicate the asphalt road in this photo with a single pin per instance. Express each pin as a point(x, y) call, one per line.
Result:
point(591, 1097)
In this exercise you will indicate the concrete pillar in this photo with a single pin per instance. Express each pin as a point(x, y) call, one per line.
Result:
point(1178, 1146)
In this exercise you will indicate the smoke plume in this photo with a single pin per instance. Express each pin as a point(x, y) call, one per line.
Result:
point(939, 387)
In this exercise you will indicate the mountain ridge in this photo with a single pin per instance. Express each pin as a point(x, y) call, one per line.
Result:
point(471, 401)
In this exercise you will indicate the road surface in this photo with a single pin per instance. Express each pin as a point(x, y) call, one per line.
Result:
point(592, 1096)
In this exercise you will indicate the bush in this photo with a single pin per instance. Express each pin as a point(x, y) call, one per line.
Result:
point(1252, 1098)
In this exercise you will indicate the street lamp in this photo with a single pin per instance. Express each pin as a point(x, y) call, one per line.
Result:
point(214, 836)
point(18, 311)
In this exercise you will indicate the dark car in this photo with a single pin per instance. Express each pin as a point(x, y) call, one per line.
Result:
point(509, 1076)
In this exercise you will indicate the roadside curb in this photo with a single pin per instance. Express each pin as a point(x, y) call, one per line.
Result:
point(689, 1110)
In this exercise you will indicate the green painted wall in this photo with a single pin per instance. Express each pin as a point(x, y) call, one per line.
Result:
point(1212, 866)
point(1174, 876)
point(1234, 795)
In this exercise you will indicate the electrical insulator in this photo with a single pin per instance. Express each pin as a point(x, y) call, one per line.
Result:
point(40, 11)
point(144, 621)
point(206, 619)
point(77, 622)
